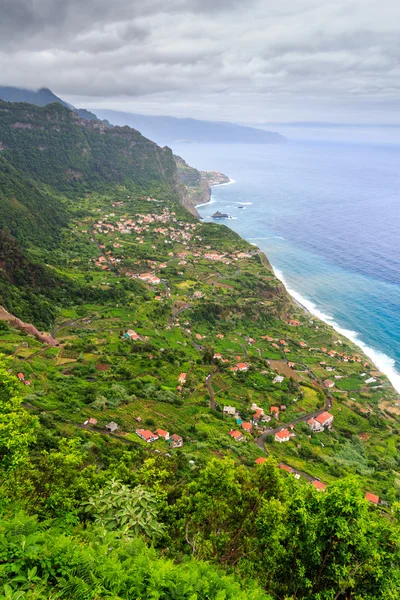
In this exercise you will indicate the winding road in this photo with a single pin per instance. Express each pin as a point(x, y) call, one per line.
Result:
point(261, 439)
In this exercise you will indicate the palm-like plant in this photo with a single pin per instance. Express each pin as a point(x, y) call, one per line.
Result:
point(133, 511)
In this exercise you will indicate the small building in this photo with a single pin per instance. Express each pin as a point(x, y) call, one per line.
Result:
point(325, 419)
point(257, 415)
point(274, 411)
point(162, 434)
point(285, 468)
point(328, 383)
point(112, 426)
point(21, 376)
point(278, 379)
point(182, 378)
point(229, 410)
point(260, 460)
point(282, 436)
point(242, 367)
point(237, 435)
point(132, 335)
point(247, 426)
point(217, 356)
point(147, 435)
point(319, 485)
point(176, 441)
point(314, 425)
point(372, 498)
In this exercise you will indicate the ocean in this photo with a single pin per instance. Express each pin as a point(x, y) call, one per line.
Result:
point(327, 214)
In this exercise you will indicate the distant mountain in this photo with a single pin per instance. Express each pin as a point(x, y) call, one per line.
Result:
point(163, 130)
point(169, 130)
point(40, 97)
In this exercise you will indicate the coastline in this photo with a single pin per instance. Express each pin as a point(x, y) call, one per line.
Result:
point(382, 361)
point(211, 201)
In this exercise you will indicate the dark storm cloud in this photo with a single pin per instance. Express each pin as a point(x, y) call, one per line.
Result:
point(207, 58)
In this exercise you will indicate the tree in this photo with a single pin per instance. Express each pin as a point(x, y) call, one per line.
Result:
point(17, 426)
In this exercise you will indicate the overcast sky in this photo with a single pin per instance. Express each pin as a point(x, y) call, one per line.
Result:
point(248, 61)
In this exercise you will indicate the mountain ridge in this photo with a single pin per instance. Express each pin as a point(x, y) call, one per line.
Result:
point(161, 129)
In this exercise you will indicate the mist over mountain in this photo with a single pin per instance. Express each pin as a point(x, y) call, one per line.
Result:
point(168, 130)
point(161, 129)
point(40, 97)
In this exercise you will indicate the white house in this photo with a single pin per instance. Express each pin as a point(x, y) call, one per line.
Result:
point(282, 436)
point(325, 419)
point(314, 425)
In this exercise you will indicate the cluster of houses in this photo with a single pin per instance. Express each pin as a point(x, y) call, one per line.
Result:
point(22, 379)
point(174, 440)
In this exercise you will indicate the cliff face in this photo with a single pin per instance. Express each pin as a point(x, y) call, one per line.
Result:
point(54, 146)
point(197, 184)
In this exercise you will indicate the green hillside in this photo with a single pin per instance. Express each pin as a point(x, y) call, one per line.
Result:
point(166, 444)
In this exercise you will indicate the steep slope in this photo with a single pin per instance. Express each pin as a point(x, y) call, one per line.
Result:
point(55, 147)
point(197, 184)
point(29, 212)
point(50, 159)
point(163, 130)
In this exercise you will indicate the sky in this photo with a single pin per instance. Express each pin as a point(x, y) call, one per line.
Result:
point(250, 62)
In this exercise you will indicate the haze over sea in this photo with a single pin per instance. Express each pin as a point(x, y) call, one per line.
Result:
point(327, 214)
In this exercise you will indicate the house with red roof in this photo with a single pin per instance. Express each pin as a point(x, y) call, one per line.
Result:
point(325, 419)
point(20, 376)
point(257, 415)
point(132, 335)
point(319, 485)
point(282, 436)
point(242, 367)
point(182, 378)
point(237, 435)
point(247, 426)
point(176, 441)
point(328, 383)
point(285, 468)
point(260, 460)
point(274, 411)
point(372, 498)
point(147, 435)
point(314, 425)
point(162, 434)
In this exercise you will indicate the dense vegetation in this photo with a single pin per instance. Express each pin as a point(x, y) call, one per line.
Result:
point(70, 529)
point(86, 513)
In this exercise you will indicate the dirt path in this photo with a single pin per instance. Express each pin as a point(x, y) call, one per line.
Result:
point(45, 338)
point(209, 377)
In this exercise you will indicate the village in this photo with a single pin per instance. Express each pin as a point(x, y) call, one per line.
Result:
point(201, 359)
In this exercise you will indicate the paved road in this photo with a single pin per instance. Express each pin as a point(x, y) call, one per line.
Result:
point(261, 439)
point(178, 312)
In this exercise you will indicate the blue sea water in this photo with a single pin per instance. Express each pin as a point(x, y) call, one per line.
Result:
point(328, 217)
